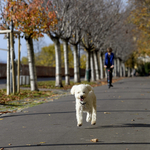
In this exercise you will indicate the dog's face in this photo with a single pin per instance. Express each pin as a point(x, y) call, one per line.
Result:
point(81, 91)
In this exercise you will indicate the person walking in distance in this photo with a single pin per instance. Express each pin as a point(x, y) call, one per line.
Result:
point(109, 65)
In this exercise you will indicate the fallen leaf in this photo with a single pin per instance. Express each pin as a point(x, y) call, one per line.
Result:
point(28, 144)
point(49, 114)
point(132, 120)
point(122, 101)
point(94, 140)
point(25, 111)
point(1, 148)
point(9, 144)
point(107, 113)
point(1, 118)
point(42, 142)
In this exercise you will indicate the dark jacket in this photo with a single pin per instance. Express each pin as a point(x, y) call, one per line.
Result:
point(111, 59)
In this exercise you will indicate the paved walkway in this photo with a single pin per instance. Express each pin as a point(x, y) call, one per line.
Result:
point(123, 122)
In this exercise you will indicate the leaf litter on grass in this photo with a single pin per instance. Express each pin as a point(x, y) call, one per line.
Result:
point(25, 99)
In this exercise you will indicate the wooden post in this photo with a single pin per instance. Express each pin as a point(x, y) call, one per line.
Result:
point(8, 63)
point(18, 85)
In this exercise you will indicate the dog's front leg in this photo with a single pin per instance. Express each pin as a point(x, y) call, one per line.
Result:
point(79, 115)
point(89, 116)
point(93, 122)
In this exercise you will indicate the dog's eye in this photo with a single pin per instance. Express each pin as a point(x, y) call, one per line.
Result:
point(83, 92)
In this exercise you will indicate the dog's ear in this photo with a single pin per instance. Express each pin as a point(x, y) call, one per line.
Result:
point(73, 89)
point(89, 87)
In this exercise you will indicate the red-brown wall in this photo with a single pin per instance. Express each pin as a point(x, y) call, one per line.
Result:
point(42, 71)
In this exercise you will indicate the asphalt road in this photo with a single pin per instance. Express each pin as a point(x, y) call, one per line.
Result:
point(123, 122)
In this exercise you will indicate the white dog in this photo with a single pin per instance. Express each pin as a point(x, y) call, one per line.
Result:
point(85, 102)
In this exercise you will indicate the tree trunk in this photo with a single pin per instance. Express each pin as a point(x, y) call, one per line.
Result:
point(96, 65)
point(76, 64)
point(58, 71)
point(124, 70)
point(129, 72)
point(118, 67)
point(101, 66)
point(92, 68)
point(58, 63)
point(66, 62)
point(88, 67)
point(18, 82)
point(105, 73)
point(31, 61)
point(115, 68)
point(13, 63)
point(8, 64)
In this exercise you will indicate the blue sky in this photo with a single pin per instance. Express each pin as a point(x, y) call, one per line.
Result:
point(3, 44)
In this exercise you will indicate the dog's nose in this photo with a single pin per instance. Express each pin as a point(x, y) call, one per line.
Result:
point(81, 97)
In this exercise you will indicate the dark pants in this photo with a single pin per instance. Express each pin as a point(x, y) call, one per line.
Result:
point(109, 75)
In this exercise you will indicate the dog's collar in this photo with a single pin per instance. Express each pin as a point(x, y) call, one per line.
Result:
point(82, 103)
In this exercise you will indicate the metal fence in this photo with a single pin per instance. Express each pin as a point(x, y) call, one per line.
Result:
point(42, 71)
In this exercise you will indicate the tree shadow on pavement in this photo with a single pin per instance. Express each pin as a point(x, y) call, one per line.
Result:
point(79, 144)
point(125, 99)
point(30, 114)
point(123, 111)
point(130, 125)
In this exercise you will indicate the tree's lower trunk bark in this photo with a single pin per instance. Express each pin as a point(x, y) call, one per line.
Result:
point(93, 78)
point(115, 68)
point(31, 61)
point(118, 68)
point(66, 62)
point(96, 65)
point(58, 63)
point(105, 74)
point(76, 64)
point(88, 66)
point(124, 70)
point(132, 73)
point(129, 72)
point(101, 66)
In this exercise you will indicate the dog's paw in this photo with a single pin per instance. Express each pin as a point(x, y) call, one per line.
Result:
point(79, 125)
point(93, 123)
